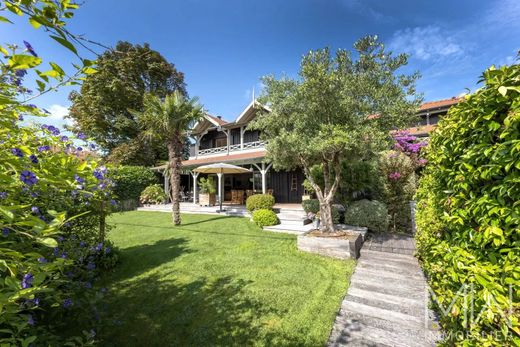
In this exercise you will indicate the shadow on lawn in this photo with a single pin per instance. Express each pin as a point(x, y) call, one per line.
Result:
point(163, 312)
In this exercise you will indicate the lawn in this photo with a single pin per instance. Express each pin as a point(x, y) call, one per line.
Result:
point(216, 281)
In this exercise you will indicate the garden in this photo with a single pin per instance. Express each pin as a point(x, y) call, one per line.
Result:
point(79, 267)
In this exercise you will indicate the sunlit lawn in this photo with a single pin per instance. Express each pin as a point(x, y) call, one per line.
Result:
point(217, 281)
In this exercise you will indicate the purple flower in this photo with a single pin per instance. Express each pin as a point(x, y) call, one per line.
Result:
point(78, 178)
point(91, 266)
point(64, 255)
point(67, 303)
point(30, 48)
point(107, 250)
point(81, 136)
point(3, 195)
point(82, 244)
point(17, 151)
point(20, 118)
point(30, 320)
point(5, 232)
point(34, 194)
point(64, 138)
point(98, 247)
point(79, 149)
point(52, 129)
point(34, 159)
point(27, 280)
point(28, 177)
point(42, 260)
point(44, 148)
point(113, 202)
point(20, 73)
point(55, 251)
point(394, 176)
point(92, 146)
point(35, 210)
point(88, 285)
point(36, 301)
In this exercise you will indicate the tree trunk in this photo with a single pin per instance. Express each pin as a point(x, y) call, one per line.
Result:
point(326, 220)
point(175, 179)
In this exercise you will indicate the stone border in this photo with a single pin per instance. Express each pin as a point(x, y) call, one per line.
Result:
point(331, 247)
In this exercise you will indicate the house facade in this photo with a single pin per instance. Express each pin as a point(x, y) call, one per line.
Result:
point(217, 140)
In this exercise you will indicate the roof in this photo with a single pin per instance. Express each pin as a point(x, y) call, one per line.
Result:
point(224, 158)
point(440, 103)
point(217, 120)
point(421, 130)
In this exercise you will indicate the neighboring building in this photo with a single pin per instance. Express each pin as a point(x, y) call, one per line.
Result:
point(217, 140)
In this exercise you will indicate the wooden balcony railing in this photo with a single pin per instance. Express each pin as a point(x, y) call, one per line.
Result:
point(232, 148)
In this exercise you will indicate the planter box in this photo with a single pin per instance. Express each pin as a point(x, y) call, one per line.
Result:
point(330, 246)
point(353, 229)
point(207, 199)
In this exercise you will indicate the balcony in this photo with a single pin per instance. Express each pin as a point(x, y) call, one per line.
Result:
point(232, 148)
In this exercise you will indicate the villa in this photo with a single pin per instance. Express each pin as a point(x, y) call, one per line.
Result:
point(217, 140)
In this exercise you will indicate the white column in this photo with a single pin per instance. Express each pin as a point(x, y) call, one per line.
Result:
point(197, 144)
point(220, 187)
point(194, 175)
point(167, 185)
point(228, 139)
point(263, 172)
point(242, 131)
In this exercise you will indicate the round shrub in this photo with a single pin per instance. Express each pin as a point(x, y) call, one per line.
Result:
point(468, 217)
point(259, 201)
point(365, 213)
point(264, 217)
point(130, 181)
point(153, 194)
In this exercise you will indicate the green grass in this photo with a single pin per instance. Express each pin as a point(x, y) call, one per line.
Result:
point(217, 280)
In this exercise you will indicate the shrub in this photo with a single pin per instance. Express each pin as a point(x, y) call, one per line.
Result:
point(259, 201)
point(264, 217)
point(365, 213)
point(399, 184)
point(312, 206)
point(153, 194)
point(468, 213)
point(130, 181)
point(207, 185)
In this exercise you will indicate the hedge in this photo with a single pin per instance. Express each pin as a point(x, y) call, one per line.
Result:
point(259, 201)
point(469, 211)
point(264, 217)
point(370, 214)
point(130, 181)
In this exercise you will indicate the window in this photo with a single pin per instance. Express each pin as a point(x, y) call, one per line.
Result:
point(221, 142)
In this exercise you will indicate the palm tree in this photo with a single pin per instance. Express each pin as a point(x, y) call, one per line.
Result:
point(169, 120)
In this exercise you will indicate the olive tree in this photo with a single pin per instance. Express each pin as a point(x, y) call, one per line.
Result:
point(341, 107)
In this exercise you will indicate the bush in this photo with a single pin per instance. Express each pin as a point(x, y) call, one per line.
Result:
point(366, 213)
point(264, 217)
point(312, 206)
point(153, 194)
point(468, 216)
point(259, 201)
point(130, 181)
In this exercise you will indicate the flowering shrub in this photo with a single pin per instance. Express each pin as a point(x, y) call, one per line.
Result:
point(153, 194)
point(468, 215)
point(411, 146)
point(53, 199)
point(398, 182)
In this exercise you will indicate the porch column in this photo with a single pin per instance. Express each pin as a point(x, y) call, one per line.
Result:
point(242, 131)
point(194, 175)
point(167, 186)
point(219, 175)
point(263, 172)
point(228, 138)
point(197, 144)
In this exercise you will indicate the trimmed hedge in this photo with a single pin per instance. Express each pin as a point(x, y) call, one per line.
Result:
point(468, 214)
point(365, 213)
point(259, 201)
point(130, 181)
point(264, 217)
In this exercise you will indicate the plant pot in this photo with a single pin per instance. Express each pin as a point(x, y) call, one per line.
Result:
point(207, 199)
point(306, 197)
point(331, 247)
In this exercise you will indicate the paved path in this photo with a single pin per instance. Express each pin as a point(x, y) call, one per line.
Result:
point(386, 303)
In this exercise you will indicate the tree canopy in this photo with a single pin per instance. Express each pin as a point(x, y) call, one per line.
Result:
point(101, 108)
point(340, 107)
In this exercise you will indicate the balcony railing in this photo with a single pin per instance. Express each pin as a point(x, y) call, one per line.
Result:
point(232, 148)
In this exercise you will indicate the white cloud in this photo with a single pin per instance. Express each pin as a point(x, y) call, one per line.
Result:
point(361, 7)
point(57, 112)
point(427, 43)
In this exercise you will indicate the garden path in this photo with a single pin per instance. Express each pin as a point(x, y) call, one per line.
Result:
point(387, 300)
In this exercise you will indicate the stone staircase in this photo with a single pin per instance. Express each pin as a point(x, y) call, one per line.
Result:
point(292, 221)
point(386, 304)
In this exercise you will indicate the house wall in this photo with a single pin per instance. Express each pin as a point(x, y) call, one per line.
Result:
point(209, 140)
point(287, 185)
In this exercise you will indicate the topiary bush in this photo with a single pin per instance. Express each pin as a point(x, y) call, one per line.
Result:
point(468, 214)
point(153, 194)
point(365, 213)
point(130, 181)
point(259, 201)
point(264, 217)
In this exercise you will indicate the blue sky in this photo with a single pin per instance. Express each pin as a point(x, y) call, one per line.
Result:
point(224, 47)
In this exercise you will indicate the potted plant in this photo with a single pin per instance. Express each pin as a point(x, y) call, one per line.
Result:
point(207, 192)
point(153, 194)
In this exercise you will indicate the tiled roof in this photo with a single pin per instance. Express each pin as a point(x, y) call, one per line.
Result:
point(218, 120)
point(224, 158)
point(440, 103)
point(424, 129)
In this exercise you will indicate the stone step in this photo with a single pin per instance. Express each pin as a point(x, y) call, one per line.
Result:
point(417, 311)
point(388, 275)
point(398, 285)
point(291, 222)
point(295, 216)
point(367, 253)
point(381, 288)
point(389, 298)
point(404, 273)
point(289, 228)
point(390, 260)
point(403, 319)
point(411, 269)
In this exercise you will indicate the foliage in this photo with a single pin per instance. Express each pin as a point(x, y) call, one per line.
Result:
point(327, 115)
point(312, 209)
point(359, 180)
point(411, 146)
point(101, 108)
point(242, 287)
point(260, 201)
point(399, 185)
point(264, 217)
point(207, 185)
point(153, 194)
point(168, 120)
point(365, 213)
point(130, 181)
point(53, 199)
point(468, 216)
